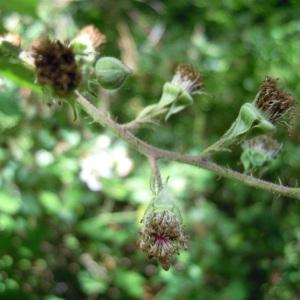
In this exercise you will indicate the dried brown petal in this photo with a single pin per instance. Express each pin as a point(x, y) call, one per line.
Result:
point(274, 102)
point(55, 66)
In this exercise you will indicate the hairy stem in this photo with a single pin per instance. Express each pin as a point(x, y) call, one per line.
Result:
point(157, 181)
point(201, 161)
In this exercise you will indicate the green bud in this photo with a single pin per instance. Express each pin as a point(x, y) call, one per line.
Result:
point(111, 72)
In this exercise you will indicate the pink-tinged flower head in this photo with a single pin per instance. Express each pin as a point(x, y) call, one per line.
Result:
point(188, 79)
point(273, 101)
point(162, 236)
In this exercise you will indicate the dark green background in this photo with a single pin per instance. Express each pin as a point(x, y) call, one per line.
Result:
point(59, 240)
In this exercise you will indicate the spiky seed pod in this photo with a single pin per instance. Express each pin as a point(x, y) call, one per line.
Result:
point(56, 66)
point(273, 101)
point(188, 79)
point(92, 36)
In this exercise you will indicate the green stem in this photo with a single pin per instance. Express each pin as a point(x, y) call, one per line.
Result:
point(201, 161)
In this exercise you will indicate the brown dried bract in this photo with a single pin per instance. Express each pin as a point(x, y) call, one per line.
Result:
point(274, 101)
point(162, 237)
point(96, 37)
point(56, 66)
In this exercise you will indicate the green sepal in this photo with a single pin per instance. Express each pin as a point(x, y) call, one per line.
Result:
point(162, 201)
point(173, 100)
point(249, 123)
point(175, 96)
point(251, 159)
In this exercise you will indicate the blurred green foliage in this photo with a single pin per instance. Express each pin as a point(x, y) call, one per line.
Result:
point(67, 235)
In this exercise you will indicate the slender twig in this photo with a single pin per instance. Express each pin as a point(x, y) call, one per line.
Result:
point(157, 181)
point(201, 161)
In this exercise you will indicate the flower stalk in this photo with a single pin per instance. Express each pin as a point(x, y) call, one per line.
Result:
point(162, 235)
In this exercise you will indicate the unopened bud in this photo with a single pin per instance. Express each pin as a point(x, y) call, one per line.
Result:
point(111, 72)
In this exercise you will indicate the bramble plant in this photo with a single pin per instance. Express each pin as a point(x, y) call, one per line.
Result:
point(73, 72)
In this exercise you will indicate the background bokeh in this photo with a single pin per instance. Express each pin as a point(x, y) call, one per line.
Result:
point(72, 195)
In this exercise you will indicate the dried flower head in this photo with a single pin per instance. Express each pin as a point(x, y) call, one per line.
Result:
point(188, 79)
point(274, 102)
point(162, 236)
point(258, 152)
point(264, 144)
point(55, 66)
point(91, 36)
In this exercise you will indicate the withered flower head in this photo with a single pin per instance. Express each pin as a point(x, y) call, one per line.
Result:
point(162, 236)
point(91, 36)
point(273, 101)
point(55, 66)
point(264, 144)
point(188, 79)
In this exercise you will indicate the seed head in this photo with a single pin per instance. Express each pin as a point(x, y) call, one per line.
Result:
point(162, 236)
point(188, 79)
point(55, 66)
point(274, 102)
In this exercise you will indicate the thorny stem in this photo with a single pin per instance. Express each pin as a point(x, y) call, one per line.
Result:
point(200, 161)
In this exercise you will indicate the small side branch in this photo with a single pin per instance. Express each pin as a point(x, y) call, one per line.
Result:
point(200, 161)
point(157, 181)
